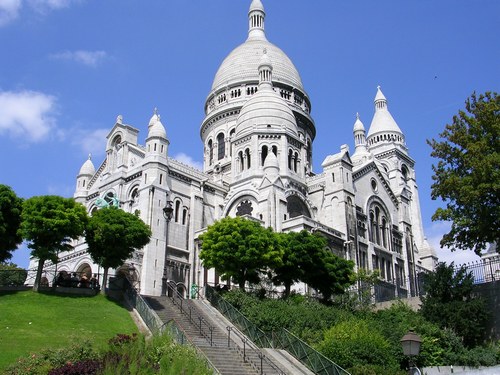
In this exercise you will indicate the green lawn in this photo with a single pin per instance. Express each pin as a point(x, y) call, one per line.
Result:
point(31, 321)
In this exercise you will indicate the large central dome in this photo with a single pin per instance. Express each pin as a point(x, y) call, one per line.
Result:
point(241, 65)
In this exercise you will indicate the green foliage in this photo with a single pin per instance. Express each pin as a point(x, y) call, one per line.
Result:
point(125, 355)
point(49, 223)
point(449, 302)
point(10, 221)
point(332, 274)
point(300, 249)
point(240, 250)
point(311, 321)
point(356, 342)
point(467, 176)
point(11, 274)
point(112, 235)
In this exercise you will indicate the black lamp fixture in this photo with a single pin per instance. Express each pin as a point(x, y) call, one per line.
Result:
point(168, 211)
point(411, 347)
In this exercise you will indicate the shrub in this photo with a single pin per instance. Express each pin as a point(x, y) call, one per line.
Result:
point(355, 342)
point(87, 367)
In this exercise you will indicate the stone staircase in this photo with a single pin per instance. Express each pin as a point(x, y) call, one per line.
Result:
point(233, 355)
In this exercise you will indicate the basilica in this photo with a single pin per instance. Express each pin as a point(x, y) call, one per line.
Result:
point(258, 134)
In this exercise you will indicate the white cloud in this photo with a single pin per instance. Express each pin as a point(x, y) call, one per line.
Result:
point(27, 114)
point(188, 160)
point(89, 58)
point(45, 5)
point(90, 142)
point(9, 10)
point(434, 235)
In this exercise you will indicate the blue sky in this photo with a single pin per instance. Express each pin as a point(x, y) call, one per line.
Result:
point(69, 67)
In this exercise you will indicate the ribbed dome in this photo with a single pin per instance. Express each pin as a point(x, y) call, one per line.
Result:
point(156, 128)
point(266, 110)
point(87, 168)
point(242, 63)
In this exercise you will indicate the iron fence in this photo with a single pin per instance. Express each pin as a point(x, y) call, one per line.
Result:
point(281, 339)
point(484, 271)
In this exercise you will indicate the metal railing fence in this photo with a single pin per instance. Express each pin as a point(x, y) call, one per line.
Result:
point(314, 360)
point(485, 270)
point(246, 326)
point(281, 339)
point(156, 325)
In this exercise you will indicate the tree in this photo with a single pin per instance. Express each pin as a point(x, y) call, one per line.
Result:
point(112, 236)
point(330, 274)
point(11, 274)
point(10, 220)
point(49, 223)
point(240, 249)
point(467, 175)
point(449, 302)
point(300, 251)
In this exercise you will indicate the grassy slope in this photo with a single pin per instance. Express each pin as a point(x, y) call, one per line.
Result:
point(31, 321)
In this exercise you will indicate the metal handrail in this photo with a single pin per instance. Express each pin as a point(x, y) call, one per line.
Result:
point(195, 319)
point(308, 356)
point(254, 348)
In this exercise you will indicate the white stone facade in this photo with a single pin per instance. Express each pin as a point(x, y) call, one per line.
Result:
point(258, 134)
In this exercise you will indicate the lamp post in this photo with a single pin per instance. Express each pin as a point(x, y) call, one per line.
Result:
point(411, 347)
point(168, 212)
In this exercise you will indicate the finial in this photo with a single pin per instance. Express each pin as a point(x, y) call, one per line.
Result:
point(155, 111)
point(90, 156)
point(378, 87)
point(119, 119)
point(357, 115)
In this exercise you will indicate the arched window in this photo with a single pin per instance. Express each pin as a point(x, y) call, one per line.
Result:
point(231, 135)
point(247, 154)
point(295, 161)
point(275, 150)
point(177, 208)
point(290, 161)
point(405, 173)
point(264, 154)
point(241, 161)
point(184, 216)
point(221, 147)
point(379, 225)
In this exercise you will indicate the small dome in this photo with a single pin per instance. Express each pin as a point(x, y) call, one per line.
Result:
point(271, 167)
point(266, 110)
point(358, 125)
point(155, 127)
point(87, 168)
point(256, 5)
point(271, 161)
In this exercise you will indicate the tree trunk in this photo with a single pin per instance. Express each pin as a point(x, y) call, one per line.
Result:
point(38, 276)
point(288, 286)
point(104, 281)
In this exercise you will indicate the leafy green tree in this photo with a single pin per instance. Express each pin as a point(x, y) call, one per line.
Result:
point(467, 175)
point(240, 249)
point(330, 274)
point(10, 220)
point(49, 223)
point(112, 236)
point(300, 250)
point(11, 274)
point(449, 301)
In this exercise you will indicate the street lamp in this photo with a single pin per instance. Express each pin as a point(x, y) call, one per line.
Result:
point(168, 211)
point(411, 347)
